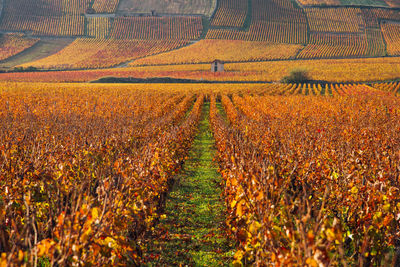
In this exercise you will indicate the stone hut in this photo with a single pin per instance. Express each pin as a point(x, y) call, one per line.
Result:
point(217, 66)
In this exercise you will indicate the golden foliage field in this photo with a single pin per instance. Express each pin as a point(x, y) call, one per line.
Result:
point(331, 70)
point(206, 51)
point(310, 172)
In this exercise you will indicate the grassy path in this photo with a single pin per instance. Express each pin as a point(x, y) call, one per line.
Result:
point(192, 232)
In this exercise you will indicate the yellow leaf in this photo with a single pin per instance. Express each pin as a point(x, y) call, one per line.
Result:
point(239, 208)
point(234, 182)
point(85, 235)
point(386, 207)
point(233, 203)
point(61, 218)
point(108, 241)
point(20, 255)
point(377, 216)
point(354, 190)
point(254, 227)
point(330, 234)
point(95, 213)
point(311, 262)
point(273, 257)
point(260, 196)
point(238, 255)
point(43, 247)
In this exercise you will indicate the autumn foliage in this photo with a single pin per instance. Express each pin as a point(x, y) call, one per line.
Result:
point(85, 172)
point(47, 17)
point(105, 6)
point(230, 13)
point(101, 53)
point(206, 51)
point(160, 28)
point(321, 190)
point(272, 21)
point(12, 44)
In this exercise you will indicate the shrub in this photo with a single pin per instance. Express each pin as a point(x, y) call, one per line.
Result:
point(297, 76)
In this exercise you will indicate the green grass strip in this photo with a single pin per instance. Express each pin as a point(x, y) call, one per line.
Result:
point(192, 232)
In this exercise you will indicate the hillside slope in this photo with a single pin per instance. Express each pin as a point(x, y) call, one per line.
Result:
point(372, 3)
point(117, 32)
point(187, 7)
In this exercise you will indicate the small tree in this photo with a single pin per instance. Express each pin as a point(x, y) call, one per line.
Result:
point(90, 10)
point(297, 76)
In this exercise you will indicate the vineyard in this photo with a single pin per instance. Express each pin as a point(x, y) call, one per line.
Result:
point(12, 44)
point(330, 70)
point(319, 2)
point(98, 27)
point(68, 25)
point(334, 45)
point(58, 18)
point(87, 169)
point(392, 87)
point(278, 29)
point(272, 21)
point(206, 51)
point(230, 13)
point(391, 33)
point(177, 28)
point(336, 203)
point(101, 53)
point(94, 201)
point(105, 6)
point(335, 20)
point(119, 146)
point(372, 3)
point(376, 44)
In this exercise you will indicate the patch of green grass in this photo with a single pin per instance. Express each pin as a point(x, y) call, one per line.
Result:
point(42, 49)
point(44, 262)
point(192, 233)
point(248, 20)
point(364, 2)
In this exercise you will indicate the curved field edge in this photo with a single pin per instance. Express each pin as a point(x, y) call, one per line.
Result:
point(329, 70)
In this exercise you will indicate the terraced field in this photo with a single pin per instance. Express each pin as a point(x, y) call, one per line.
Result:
point(203, 7)
point(376, 3)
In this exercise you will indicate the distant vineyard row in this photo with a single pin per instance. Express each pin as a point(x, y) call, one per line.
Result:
point(101, 53)
point(279, 29)
point(121, 28)
point(105, 6)
point(330, 70)
point(272, 21)
point(230, 13)
point(352, 45)
point(379, 3)
point(185, 28)
point(12, 44)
